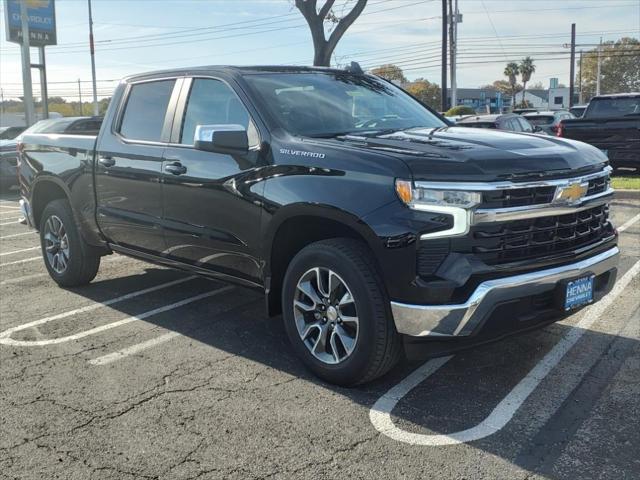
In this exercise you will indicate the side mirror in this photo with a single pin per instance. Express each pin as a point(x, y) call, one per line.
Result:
point(230, 139)
point(537, 129)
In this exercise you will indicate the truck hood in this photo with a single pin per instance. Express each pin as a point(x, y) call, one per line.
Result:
point(472, 154)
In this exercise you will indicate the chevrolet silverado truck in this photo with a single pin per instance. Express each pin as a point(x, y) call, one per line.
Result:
point(612, 124)
point(366, 219)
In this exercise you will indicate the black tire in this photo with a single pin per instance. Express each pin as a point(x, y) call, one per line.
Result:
point(378, 346)
point(83, 261)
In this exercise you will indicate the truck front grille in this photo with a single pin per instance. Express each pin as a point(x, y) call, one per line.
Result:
point(537, 237)
point(522, 197)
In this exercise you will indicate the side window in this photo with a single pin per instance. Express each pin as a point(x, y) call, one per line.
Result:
point(512, 124)
point(145, 110)
point(526, 126)
point(213, 102)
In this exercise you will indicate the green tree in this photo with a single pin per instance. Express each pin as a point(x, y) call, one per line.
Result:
point(504, 87)
point(619, 73)
point(511, 71)
point(425, 91)
point(326, 21)
point(391, 72)
point(460, 110)
point(527, 68)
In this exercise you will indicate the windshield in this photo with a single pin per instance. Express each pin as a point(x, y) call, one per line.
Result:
point(540, 119)
point(613, 107)
point(331, 104)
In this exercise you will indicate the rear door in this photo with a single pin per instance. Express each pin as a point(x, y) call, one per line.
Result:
point(129, 166)
point(212, 203)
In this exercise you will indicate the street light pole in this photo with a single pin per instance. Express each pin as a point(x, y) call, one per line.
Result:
point(599, 66)
point(27, 89)
point(93, 62)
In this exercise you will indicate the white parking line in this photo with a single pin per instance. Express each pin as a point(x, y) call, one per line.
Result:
point(30, 232)
point(15, 222)
point(5, 336)
point(139, 347)
point(628, 223)
point(19, 251)
point(31, 259)
point(6, 207)
point(23, 278)
point(380, 413)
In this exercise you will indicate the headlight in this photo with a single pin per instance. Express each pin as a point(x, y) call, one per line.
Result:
point(420, 197)
point(457, 203)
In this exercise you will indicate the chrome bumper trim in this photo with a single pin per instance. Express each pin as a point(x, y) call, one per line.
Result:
point(462, 319)
point(534, 211)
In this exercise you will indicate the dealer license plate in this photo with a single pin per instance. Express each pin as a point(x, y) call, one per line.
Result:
point(579, 292)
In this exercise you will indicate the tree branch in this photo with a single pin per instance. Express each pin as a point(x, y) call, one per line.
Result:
point(344, 24)
point(326, 8)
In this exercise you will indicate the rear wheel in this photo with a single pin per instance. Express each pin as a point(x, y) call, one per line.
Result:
point(337, 314)
point(69, 259)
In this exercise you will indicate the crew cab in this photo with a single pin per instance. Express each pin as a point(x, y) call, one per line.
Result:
point(366, 220)
point(612, 124)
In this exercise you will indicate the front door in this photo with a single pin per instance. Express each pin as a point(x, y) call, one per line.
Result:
point(129, 167)
point(211, 205)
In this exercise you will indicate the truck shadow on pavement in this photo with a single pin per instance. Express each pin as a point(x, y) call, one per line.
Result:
point(478, 378)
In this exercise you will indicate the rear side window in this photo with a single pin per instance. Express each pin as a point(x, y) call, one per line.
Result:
point(145, 110)
point(540, 119)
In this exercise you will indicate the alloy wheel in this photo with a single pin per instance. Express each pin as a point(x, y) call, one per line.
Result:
point(326, 316)
point(56, 244)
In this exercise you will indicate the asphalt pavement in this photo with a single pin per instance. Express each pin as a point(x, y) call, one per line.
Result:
point(148, 373)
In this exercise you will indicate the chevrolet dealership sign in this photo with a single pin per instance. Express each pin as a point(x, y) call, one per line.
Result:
point(42, 22)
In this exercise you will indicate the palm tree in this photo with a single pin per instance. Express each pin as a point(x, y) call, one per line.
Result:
point(512, 70)
point(527, 68)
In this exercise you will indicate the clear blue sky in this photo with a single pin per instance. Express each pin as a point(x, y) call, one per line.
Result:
point(140, 35)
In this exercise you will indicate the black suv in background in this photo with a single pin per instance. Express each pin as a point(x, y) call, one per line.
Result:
point(360, 214)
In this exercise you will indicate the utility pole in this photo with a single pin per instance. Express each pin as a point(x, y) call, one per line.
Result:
point(27, 89)
point(581, 98)
point(43, 83)
point(443, 81)
point(93, 63)
point(80, 96)
point(599, 66)
point(454, 19)
point(572, 67)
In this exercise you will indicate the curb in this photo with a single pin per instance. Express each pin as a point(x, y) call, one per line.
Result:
point(626, 194)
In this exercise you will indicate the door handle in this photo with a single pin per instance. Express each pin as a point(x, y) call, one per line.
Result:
point(107, 161)
point(175, 168)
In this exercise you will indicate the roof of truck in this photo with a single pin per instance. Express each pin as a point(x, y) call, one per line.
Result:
point(239, 69)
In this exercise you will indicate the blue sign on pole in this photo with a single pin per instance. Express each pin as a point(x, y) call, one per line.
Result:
point(41, 19)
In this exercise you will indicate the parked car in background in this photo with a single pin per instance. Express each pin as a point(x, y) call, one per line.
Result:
point(578, 110)
point(507, 121)
point(520, 111)
point(548, 121)
point(612, 124)
point(66, 125)
point(9, 133)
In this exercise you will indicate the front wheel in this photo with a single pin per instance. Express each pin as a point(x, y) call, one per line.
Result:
point(337, 314)
point(69, 259)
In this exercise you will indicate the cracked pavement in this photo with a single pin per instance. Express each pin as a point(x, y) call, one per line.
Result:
point(226, 398)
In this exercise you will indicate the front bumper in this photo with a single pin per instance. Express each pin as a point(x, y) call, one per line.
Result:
point(463, 320)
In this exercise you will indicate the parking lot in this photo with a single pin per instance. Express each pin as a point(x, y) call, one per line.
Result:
point(149, 373)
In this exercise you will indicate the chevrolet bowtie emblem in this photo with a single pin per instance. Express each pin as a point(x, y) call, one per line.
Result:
point(571, 193)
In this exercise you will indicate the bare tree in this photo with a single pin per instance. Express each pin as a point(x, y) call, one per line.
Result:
point(324, 47)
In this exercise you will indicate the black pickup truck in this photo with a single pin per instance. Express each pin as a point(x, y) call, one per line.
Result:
point(366, 219)
point(612, 124)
